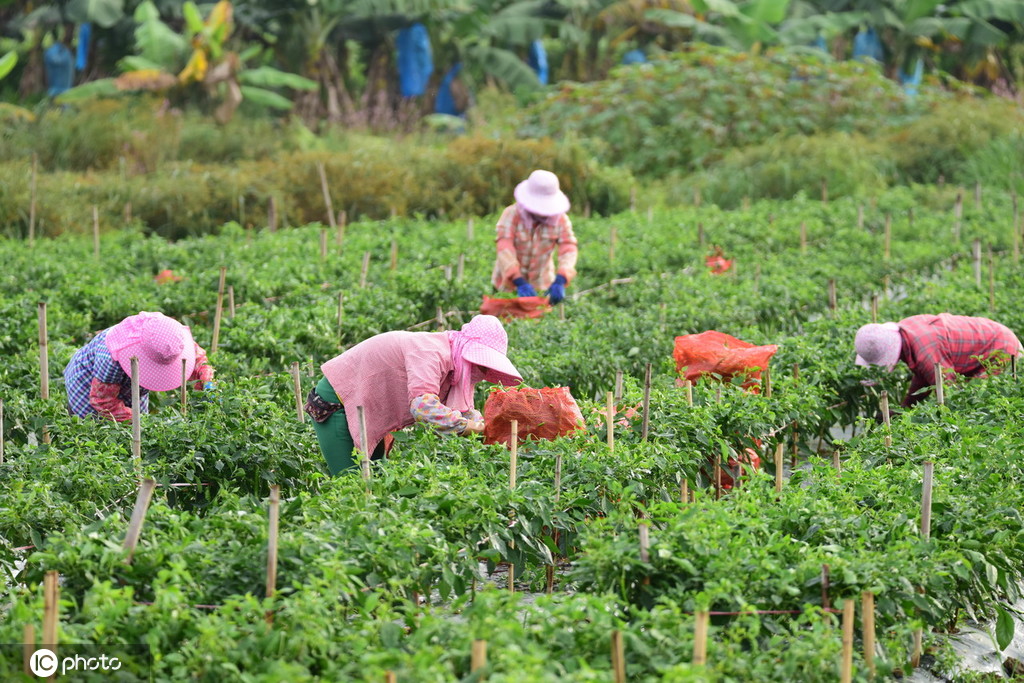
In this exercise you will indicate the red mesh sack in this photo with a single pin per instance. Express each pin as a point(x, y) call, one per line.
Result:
point(747, 457)
point(718, 264)
point(518, 307)
point(545, 413)
point(718, 353)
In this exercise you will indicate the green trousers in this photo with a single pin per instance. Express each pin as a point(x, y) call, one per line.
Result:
point(334, 436)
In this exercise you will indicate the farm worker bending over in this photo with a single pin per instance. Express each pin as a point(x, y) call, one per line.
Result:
point(529, 231)
point(957, 343)
point(98, 378)
point(404, 377)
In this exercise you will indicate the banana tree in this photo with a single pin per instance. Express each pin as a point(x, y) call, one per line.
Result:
point(742, 25)
point(200, 57)
point(7, 110)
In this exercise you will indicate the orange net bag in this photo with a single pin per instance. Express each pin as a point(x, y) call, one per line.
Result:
point(720, 354)
point(545, 413)
point(518, 307)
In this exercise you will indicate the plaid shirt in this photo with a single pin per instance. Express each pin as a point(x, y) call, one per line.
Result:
point(957, 343)
point(526, 248)
point(97, 385)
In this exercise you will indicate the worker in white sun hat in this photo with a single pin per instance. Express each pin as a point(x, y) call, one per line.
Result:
point(529, 233)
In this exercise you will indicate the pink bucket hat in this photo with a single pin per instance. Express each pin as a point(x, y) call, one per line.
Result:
point(484, 342)
point(159, 342)
point(541, 195)
point(878, 344)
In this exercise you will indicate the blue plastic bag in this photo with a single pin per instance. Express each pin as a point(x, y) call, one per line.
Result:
point(415, 62)
point(634, 57)
point(910, 82)
point(867, 44)
point(59, 66)
point(84, 38)
point(444, 103)
point(538, 60)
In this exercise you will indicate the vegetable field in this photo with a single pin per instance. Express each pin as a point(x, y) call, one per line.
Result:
point(631, 561)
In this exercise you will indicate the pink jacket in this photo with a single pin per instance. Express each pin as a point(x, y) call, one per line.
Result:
point(385, 373)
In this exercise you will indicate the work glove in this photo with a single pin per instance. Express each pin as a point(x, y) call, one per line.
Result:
point(524, 288)
point(557, 291)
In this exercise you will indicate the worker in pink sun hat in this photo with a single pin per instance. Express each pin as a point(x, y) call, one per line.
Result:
point(959, 344)
point(98, 377)
point(404, 377)
point(529, 233)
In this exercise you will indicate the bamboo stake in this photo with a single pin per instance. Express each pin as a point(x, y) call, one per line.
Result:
point(612, 240)
point(219, 311)
point(394, 254)
point(364, 440)
point(940, 394)
point(28, 647)
point(766, 381)
point(835, 462)
point(618, 385)
point(688, 385)
point(327, 194)
point(824, 190)
point(131, 538)
point(958, 212)
point(700, 638)
point(610, 421)
point(341, 312)
point(339, 238)
point(643, 532)
point(365, 271)
point(646, 403)
point(44, 355)
point(127, 213)
point(825, 602)
point(297, 387)
point(874, 308)
point(390, 677)
point(867, 618)
point(778, 466)
point(976, 262)
point(512, 468)
point(184, 381)
point(272, 214)
point(231, 301)
point(846, 669)
point(700, 234)
point(926, 500)
point(618, 658)
point(241, 210)
point(888, 236)
point(136, 414)
point(832, 295)
point(684, 492)
point(478, 655)
point(886, 420)
point(272, 528)
point(323, 244)
point(586, 209)
point(718, 475)
point(803, 236)
point(32, 202)
point(696, 197)
point(469, 230)
point(991, 281)
point(51, 609)
point(95, 232)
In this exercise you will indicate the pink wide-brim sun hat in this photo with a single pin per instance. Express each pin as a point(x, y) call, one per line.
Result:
point(487, 345)
point(160, 343)
point(878, 344)
point(540, 194)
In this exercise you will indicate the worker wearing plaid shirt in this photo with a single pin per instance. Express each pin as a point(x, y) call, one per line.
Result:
point(529, 233)
point(97, 383)
point(959, 344)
